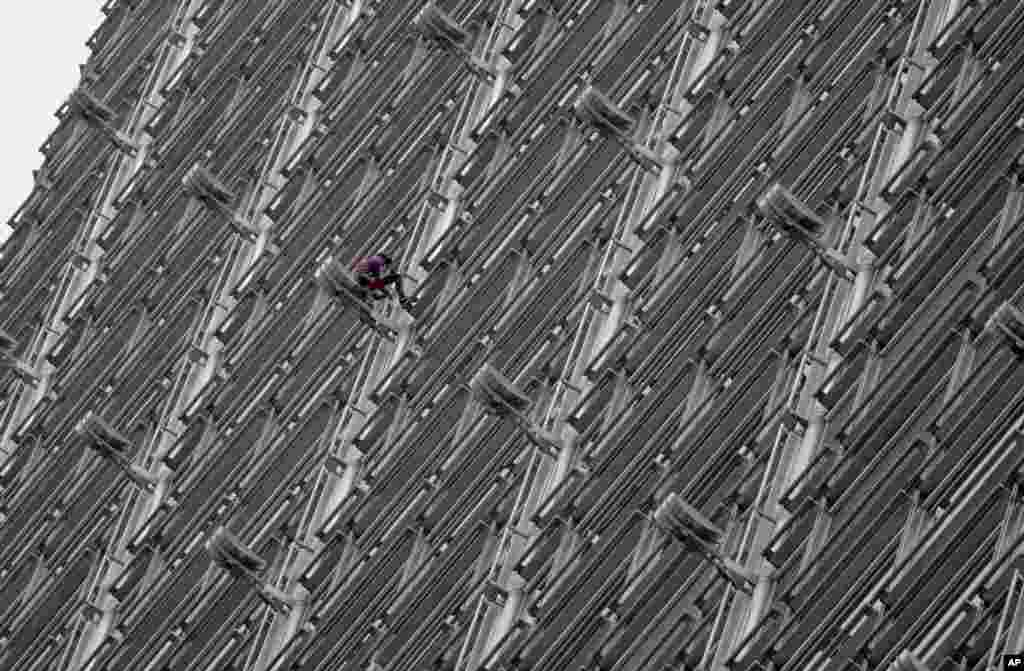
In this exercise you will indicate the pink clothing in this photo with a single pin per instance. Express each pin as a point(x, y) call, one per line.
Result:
point(369, 265)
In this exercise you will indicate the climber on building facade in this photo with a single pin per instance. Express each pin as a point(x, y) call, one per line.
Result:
point(374, 274)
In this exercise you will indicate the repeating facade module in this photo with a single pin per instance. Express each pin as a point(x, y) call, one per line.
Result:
point(714, 361)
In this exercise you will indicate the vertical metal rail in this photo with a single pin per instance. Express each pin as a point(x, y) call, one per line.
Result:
point(1009, 635)
point(790, 454)
point(492, 622)
point(84, 264)
point(175, 50)
point(197, 370)
point(297, 124)
point(334, 485)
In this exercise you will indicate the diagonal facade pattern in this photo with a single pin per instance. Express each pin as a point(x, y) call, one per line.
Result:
point(714, 361)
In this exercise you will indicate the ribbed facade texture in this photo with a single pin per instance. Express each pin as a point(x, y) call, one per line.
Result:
point(714, 361)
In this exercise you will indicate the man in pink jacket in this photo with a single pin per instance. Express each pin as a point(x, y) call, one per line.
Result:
point(373, 273)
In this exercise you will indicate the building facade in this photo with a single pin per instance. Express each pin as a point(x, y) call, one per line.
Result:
point(643, 415)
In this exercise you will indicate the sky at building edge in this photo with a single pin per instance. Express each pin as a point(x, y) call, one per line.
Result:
point(42, 45)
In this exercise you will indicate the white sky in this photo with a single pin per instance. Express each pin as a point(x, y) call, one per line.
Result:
point(42, 43)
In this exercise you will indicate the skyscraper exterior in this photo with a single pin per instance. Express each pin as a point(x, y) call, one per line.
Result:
point(714, 362)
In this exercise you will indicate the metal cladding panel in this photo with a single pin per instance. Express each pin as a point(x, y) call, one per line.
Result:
point(473, 486)
point(274, 336)
point(853, 529)
point(322, 358)
point(36, 296)
point(849, 23)
point(823, 130)
point(513, 188)
point(304, 234)
point(390, 24)
point(768, 28)
point(74, 184)
point(410, 506)
point(81, 516)
point(400, 179)
point(41, 260)
point(444, 583)
point(358, 112)
point(205, 628)
point(593, 174)
point(417, 440)
point(550, 77)
point(728, 422)
point(364, 598)
point(25, 517)
point(49, 613)
point(155, 359)
point(965, 438)
point(691, 288)
point(143, 25)
point(889, 403)
point(414, 458)
point(955, 242)
point(652, 603)
point(191, 260)
point(265, 486)
point(200, 116)
point(616, 455)
point(230, 25)
point(747, 140)
point(475, 313)
point(987, 384)
point(138, 256)
point(812, 624)
point(13, 590)
point(151, 620)
point(282, 31)
point(93, 368)
point(946, 566)
point(427, 94)
point(659, 19)
point(580, 599)
point(541, 310)
point(207, 485)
